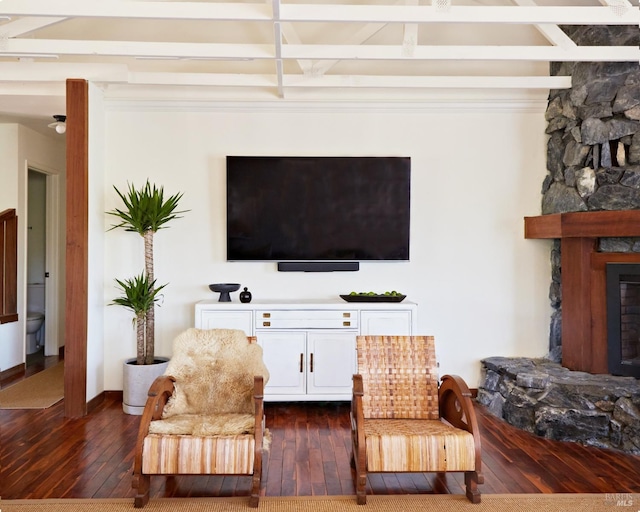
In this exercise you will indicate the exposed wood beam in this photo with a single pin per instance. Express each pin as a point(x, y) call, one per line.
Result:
point(138, 10)
point(431, 82)
point(581, 15)
point(77, 253)
point(59, 71)
point(458, 14)
point(553, 33)
point(423, 52)
point(138, 49)
point(286, 80)
point(297, 51)
point(410, 32)
point(359, 37)
point(23, 26)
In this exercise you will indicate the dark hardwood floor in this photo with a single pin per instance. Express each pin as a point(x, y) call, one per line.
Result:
point(44, 455)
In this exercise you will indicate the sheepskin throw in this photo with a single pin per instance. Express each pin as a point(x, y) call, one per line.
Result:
point(214, 371)
point(205, 425)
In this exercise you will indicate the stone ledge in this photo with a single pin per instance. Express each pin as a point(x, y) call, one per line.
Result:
point(546, 399)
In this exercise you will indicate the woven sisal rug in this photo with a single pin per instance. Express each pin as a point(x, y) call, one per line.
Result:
point(39, 391)
point(423, 503)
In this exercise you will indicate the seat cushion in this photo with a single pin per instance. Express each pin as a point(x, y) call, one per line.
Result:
point(193, 455)
point(204, 425)
point(398, 445)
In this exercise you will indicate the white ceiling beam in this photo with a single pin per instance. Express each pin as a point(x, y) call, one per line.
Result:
point(140, 49)
point(553, 33)
point(599, 15)
point(410, 32)
point(580, 15)
point(359, 37)
point(430, 82)
point(23, 26)
point(59, 72)
point(204, 79)
point(137, 10)
point(500, 53)
point(24, 74)
point(204, 51)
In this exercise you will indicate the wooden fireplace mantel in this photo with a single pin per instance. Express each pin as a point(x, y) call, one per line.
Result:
point(584, 311)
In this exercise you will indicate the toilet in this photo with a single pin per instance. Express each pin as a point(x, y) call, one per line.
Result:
point(34, 331)
point(35, 316)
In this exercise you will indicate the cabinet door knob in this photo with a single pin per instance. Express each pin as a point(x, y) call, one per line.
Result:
point(301, 362)
point(311, 363)
point(266, 324)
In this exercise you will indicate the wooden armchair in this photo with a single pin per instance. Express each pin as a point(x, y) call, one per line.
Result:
point(404, 420)
point(205, 415)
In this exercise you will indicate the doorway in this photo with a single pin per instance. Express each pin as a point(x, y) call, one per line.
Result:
point(43, 250)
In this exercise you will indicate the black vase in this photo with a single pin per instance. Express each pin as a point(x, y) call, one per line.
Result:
point(245, 295)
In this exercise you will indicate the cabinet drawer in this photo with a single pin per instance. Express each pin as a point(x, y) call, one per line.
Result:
point(242, 320)
point(306, 319)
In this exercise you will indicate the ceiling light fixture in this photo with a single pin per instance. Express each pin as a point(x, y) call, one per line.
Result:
point(60, 124)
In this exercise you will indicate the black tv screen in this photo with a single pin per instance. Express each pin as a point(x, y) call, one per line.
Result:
point(318, 208)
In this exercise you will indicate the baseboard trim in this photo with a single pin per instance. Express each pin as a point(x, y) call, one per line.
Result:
point(12, 373)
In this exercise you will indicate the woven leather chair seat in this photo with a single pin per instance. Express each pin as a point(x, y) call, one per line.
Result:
point(397, 445)
point(405, 419)
point(194, 455)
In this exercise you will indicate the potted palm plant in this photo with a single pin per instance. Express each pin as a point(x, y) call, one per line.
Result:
point(145, 211)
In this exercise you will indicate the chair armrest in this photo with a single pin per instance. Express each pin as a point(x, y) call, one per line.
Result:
point(159, 393)
point(357, 413)
point(258, 401)
point(456, 408)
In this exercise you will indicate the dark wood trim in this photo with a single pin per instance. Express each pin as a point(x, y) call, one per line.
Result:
point(95, 402)
point(576, 302)
point(543, 226)
point(583, 224)
point(599, 262)
point(76, 307)
point(584, 315)
point(12, 373)
point(8, 266)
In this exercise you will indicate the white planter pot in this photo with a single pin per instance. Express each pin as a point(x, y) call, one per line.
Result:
point(136, 382)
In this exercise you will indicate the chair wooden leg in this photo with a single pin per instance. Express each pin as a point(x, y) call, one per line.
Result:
point(471, 481)
point(255, 489)
point(141, 483)
point(361, 481)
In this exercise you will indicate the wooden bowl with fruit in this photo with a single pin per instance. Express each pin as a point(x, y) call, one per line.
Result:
point(392, 296)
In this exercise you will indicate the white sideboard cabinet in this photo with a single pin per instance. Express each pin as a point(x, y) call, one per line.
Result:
point(309, 347)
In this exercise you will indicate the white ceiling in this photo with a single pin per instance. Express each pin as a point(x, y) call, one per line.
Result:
point(289, 49)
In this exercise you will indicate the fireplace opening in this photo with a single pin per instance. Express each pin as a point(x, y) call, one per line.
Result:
point(623, 319)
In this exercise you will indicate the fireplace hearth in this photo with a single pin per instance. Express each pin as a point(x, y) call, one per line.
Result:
point(546, 399)
point(623, 319)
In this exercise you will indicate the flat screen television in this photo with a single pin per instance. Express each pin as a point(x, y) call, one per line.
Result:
point(291, 208)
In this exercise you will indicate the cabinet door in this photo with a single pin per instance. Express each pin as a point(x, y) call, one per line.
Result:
point(386, 323)
point(242, 320)
point(284, 356)
point(331, 359)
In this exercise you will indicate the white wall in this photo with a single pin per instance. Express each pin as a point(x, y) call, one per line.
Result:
point(21, 148)
point(477, 170)
point(95, 308)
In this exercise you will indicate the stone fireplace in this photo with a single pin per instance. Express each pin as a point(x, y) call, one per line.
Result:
point(591, 211)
